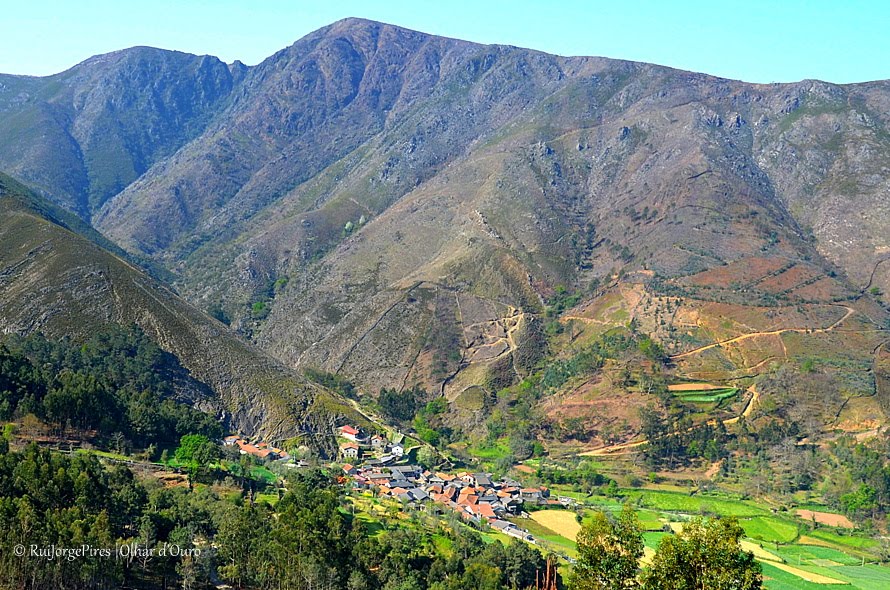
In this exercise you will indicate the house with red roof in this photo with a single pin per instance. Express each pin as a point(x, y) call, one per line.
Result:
point(349, 433)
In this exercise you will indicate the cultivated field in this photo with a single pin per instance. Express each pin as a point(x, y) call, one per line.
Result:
point(562, 522)
point(792, 557)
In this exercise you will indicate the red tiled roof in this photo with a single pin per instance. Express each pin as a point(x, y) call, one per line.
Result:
point(468, 500)
point(484, 510)
point(349, 446)
point(348, 430)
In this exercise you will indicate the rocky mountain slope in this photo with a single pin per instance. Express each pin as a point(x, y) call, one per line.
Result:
point(402, 208)
point(55, 280)
point(83, 135)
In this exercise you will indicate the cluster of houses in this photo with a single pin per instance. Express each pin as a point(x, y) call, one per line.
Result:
point(476, 497)
point(374, 449)
point(259, 450)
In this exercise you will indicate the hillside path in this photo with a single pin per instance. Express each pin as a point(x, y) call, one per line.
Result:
point(619, 449)
point(850, 311)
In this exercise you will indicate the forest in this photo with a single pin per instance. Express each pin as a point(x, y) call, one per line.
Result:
point(118, 385)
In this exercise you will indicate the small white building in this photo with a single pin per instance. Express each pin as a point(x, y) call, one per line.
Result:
point(349, 433)
point(349, 450)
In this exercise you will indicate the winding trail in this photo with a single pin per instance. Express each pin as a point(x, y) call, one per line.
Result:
point(850, 311)
point(620, 449)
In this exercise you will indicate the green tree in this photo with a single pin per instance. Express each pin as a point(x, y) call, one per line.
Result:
point(705, 556)
point(521, 564)
point(197, 452)
point(426, 456)
point(196, 448)
point(608, 552)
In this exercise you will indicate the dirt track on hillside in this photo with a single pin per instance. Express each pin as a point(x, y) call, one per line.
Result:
point(850, 311)
point(624, 447)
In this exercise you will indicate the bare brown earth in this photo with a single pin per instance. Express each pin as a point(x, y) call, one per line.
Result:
point(848, 312)
point(827, 518)
point(693, 387)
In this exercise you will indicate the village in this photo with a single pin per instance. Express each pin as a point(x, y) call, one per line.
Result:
point(382, 466)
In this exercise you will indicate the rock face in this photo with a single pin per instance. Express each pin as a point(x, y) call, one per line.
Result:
point(59, 282)
point(398, 206)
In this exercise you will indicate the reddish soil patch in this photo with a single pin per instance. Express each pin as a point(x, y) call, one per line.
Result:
point(787, 280)
point(524, 469)
point(694, 387)
point(738, 272)
point(827, 518)
point(824, 289)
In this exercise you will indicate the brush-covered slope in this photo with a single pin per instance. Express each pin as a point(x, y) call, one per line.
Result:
point(396, 206)
point(83, 135)
point(402, 208)
point(57, 281)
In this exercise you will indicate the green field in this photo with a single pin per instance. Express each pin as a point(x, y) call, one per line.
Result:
point(698, 504)
point(805, 554)
point(869, 577)
point(776, 579)
point(650, 520)
point(493, 452)
point(854, 542)
point(707, 396)
point(652, 540)
point(770, 528)
point(263, 475)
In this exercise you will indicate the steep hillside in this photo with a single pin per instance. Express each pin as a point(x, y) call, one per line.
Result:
point(406, 209)
point(379, 183)
point(56, 281)
point(83, 135)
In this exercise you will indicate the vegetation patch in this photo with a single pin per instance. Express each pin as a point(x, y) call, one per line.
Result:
point(767, 528)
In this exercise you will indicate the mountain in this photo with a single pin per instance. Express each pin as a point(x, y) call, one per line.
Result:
point(83, 135)
point(407, 209)
point(62, 282)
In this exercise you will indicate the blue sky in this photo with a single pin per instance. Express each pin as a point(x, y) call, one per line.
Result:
point(757, 41)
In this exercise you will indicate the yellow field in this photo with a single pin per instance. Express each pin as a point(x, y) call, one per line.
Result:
point(561, 522)
point(759, 552)
point(808, 576)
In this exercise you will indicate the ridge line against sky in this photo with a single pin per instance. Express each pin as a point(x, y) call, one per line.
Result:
point(755, 41)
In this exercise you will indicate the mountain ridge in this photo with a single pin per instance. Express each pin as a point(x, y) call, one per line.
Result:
point(405, 209)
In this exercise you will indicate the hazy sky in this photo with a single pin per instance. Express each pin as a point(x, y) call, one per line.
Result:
point(757, 40)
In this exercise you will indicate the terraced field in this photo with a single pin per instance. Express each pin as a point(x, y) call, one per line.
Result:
point(702, 392)
point(792, 557)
